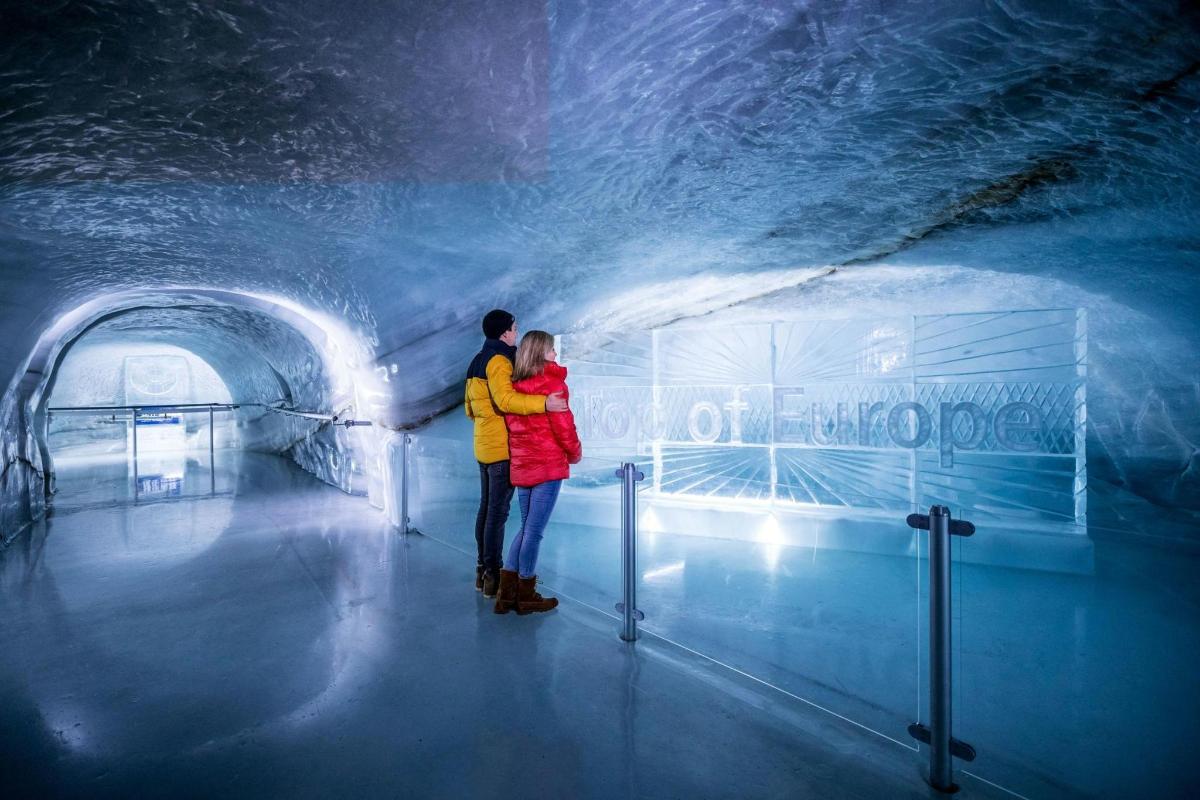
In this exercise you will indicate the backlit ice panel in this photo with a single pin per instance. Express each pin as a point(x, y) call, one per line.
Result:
point(981, 411)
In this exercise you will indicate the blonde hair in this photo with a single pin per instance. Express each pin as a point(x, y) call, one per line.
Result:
point(531, 355)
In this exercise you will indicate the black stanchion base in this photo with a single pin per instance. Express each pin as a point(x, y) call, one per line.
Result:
point(958, 749)
point(953, 788)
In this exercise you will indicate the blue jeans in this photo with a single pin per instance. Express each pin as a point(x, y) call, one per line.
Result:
point(536, 504)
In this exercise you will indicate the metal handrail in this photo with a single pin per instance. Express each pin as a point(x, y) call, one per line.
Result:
point(314, 415)
point(320, 417)
point(194, 408)
point(183, 408)
point(187, 408)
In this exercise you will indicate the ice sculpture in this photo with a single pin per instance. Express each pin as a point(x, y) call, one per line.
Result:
point(981, 411)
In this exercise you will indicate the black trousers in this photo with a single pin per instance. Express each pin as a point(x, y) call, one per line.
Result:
point(495, 496)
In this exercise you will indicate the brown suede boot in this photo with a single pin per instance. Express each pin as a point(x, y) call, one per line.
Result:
point(506, 597)
point(479, 579)
point(528, 599)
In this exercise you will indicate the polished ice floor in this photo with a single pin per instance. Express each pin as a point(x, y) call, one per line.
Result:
point(277, 639)
point(1076, 655)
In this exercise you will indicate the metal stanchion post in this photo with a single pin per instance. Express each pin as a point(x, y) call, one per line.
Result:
point(942, 745)
point(135, 455)
point(405, 443)
point(212, 461)
point(627, 608)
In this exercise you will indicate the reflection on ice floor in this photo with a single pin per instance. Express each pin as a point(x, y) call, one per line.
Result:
point(282, 641)
point(84, 481)
point(1048, 665)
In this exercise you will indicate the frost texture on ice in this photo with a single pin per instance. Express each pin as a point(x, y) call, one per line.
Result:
point(591, 165)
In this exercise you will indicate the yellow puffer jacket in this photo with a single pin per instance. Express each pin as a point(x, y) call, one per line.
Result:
point(490, 395)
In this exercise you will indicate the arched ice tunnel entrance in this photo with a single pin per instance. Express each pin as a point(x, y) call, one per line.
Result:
point(150, 395)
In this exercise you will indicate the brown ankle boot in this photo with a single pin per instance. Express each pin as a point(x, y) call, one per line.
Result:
point(491, 582)
point(506, 597)
point(479, 579)
point(528, 599)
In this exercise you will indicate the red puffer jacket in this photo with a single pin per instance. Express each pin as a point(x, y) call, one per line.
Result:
point(542, 446)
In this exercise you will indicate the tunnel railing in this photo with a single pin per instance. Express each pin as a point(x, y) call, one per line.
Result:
point(943, 747)
point(405, 522)
point(318, 416)
point(942, 744)
point(630, 475)
point(186, 408)
point(198, 408)
point(161, 408)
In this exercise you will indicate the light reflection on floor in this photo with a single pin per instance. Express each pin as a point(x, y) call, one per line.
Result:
point(85, 481)
point(1048, 663)
point(1062, 655)
point(280, 640)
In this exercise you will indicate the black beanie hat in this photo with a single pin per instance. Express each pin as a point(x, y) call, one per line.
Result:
point(496, 322)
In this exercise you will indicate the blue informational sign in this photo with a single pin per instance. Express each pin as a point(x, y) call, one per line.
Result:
point(161, 485)
point(985, 411)
point(159, 419)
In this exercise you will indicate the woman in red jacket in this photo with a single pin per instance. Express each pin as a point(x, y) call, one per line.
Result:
point(541, 448)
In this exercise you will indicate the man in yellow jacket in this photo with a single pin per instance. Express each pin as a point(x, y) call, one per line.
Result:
point(489, 396)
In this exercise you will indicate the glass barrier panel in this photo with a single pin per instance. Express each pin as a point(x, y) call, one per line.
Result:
point(443, 495)
point(771, 520)
point(823, 608)
point(781, 461)
point(178, 454)
point(577, 557)
point(92, 456)
point(1059, 632)
point(1075, 661)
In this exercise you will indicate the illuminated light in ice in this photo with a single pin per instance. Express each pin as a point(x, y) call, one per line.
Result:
point(662, 572)
point(650, 522)
point(771, 535)
point(769, 531)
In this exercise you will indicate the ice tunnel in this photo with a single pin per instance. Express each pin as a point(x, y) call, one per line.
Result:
point(812, 268)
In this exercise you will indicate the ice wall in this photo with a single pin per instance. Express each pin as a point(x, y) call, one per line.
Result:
point(255, 353)
point(97, 373)
point(591, 165)
point(262, 361)
point(120, 372)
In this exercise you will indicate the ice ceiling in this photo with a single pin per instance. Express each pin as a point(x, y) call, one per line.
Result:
point(591, 164)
